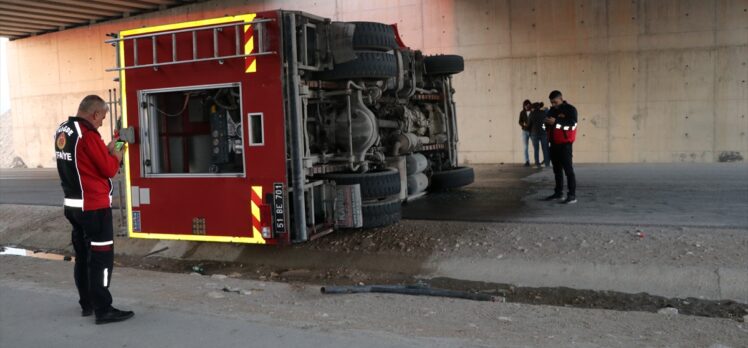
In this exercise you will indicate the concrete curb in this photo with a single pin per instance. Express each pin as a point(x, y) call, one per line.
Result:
point(701, 282)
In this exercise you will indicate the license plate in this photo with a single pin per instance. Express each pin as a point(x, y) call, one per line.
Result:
point(279, 208)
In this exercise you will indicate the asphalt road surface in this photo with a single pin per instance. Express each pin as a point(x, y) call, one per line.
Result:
point(30, 186)
point(681, 194)
point(33, 187)
point(690, 194)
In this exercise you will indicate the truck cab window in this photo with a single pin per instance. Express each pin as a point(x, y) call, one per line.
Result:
point(192, 131)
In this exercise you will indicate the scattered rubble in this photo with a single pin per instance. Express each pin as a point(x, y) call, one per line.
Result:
point(668, 311)
point(232, 289)
point(215, 295)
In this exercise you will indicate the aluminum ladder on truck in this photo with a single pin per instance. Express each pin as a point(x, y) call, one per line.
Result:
point(155, 62)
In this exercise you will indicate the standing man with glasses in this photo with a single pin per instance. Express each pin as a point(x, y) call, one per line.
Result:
point(86, 166)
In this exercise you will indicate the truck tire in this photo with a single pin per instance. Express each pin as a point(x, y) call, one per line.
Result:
point(374, 36)
point(452, 178)
point(444, 64)
point(382, 213)
point(367, 65)
point(374, 185)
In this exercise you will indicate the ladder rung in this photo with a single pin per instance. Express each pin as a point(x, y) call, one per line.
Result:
point(194, 45)
point(236, 39)
point(215, 42)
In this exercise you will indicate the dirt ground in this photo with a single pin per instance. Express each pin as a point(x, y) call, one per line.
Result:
point(678, 246)
point(409, 244)
point(409, 320)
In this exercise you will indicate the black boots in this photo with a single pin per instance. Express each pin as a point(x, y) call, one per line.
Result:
point(113, 315)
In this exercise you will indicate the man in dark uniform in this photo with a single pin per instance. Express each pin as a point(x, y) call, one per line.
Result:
point(86, 166)
point(561, 122)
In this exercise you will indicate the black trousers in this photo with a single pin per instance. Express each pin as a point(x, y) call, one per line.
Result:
point(93, 233)
point(561, 155)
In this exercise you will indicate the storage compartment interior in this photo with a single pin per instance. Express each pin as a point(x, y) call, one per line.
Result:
point(194, 131)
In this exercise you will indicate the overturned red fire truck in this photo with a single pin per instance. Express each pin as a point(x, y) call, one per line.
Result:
point(278, 127)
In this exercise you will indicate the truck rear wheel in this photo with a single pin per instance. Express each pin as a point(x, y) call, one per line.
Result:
point(374, 185)
point(374, 36)
point(444, 64)
point(452, 178)
point(368, 65)
point(382, 213)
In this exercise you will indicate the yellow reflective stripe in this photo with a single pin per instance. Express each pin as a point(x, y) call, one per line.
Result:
point(199, 238)
point(256, 208)
point(256, 234)
point(123, 116)
point(249, 46)
point(256, 237)
point(199, 23)
point(256, 211)
point(252, 66)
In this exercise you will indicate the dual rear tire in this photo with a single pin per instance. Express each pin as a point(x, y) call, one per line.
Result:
point(380, 190)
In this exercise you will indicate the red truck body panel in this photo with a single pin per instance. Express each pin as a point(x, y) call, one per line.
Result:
point(228, 206)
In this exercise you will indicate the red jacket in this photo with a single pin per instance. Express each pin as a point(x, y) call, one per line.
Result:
point(85, 165)
point(565, 129)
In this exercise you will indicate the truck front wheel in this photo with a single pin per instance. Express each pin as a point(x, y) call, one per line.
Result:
point(447, 64)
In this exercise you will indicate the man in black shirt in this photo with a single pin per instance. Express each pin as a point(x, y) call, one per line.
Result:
point(561, 122)
point(538, 134)
point(523, 123)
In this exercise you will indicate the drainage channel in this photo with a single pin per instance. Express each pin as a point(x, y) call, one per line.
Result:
point(595, 299)
point(550, 296)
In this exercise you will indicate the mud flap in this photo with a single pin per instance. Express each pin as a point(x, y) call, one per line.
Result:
point(348, 206)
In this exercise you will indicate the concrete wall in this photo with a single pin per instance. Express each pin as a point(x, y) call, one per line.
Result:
point(654, 80)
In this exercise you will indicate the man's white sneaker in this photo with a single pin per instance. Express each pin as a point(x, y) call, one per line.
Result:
point(570, 200)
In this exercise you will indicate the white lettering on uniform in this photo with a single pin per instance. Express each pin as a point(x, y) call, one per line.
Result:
point(67, 156)
point(65, 129)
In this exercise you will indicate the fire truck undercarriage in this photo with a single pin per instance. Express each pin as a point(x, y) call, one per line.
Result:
point(378, 115)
